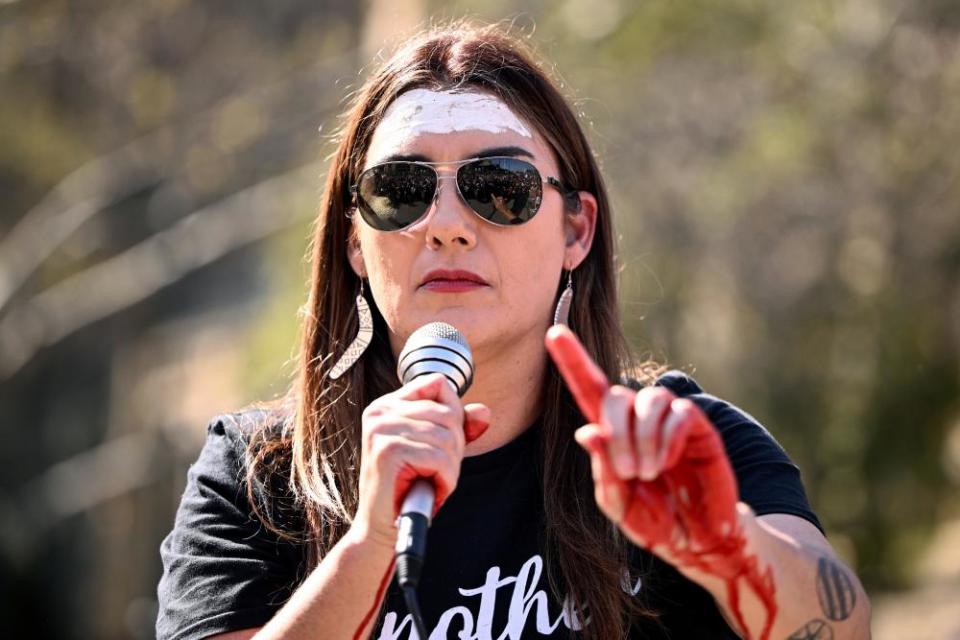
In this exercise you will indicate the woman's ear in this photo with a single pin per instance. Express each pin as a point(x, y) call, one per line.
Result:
point(579, 228)
point(355, 255)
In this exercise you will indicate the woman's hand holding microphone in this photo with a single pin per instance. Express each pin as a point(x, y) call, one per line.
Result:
point(418, 431)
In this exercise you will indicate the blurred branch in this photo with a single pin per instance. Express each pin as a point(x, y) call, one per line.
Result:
point(144, 162)
point(196, 240)
point(77, 198)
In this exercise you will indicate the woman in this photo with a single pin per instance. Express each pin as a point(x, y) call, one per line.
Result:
point(463, 190)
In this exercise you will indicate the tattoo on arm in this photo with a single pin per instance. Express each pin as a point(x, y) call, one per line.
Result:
point(835, 590)
point(816, 629)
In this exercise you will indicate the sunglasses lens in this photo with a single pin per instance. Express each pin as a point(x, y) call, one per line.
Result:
point(395, 194)
point(503, 190)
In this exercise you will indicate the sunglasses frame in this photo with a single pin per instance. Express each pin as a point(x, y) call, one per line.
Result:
point(570, 196)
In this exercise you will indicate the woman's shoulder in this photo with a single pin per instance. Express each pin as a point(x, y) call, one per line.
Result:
point(726, 416)
point(263, 422)
point(768, 479)
point(679, 382)
point(233, 440)
point(253, 445)
point(219, 543)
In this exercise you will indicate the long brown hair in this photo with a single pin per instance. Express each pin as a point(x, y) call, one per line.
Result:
point(317, 447)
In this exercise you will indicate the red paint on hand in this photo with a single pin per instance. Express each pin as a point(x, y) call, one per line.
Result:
point(409, 474)
point(476, 421)
point(688, 512)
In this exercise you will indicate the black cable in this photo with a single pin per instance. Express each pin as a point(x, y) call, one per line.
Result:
point(411, 551)
point(410, 595)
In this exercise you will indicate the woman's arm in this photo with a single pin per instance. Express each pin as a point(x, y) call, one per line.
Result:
point(339, 594)
point(220, 566)
point(420, 430)
point(661, 473)
point(816, 595)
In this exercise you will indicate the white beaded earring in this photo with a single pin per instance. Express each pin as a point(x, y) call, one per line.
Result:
point(360, 343)
point(562, 312)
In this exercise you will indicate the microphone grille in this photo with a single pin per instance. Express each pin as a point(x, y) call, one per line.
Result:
point(440, 330)
point(437, 347)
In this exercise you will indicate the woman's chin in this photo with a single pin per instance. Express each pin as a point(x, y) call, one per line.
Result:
point(470, 323)
point(486, 329)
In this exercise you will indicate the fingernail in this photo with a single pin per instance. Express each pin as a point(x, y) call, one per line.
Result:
point(648, 470)
point(588, 445)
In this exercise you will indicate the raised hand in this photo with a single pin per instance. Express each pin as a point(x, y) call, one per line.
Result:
point(661, 474)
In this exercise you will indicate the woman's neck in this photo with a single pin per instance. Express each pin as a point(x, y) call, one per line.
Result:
point(510, 382)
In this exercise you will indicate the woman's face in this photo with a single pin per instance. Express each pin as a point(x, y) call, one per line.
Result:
point(508, 276)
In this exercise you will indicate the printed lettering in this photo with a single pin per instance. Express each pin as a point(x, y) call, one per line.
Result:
point(440, 632)
point(525, 600)
point(390, 631)
point(633, 588)
point(525, 597)
point(488, 598)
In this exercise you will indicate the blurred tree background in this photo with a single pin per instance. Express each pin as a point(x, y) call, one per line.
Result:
point(785, 180)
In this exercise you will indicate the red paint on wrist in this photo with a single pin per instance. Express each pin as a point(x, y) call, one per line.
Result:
point(384, 581)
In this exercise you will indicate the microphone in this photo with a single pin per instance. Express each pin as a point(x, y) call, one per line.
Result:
point(436, 347)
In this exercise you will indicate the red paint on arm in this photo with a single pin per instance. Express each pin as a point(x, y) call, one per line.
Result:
point(384, 581)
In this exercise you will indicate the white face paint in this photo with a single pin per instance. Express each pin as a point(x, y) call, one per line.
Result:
point(423, 111)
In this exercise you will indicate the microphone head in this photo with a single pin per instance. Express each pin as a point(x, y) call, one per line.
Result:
point(437, 347)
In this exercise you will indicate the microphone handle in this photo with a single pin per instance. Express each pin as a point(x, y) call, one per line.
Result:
point(411, 549)
point(419, 498)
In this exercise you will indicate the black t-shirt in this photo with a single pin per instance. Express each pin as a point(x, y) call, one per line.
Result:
point(484, 576)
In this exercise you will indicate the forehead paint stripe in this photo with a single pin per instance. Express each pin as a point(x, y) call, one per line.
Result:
point(423, 111)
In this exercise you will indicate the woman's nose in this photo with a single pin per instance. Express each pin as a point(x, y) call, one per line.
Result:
point(450, 221)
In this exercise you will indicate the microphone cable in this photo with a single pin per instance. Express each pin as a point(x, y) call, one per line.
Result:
point(413, 606)
point(411, 551)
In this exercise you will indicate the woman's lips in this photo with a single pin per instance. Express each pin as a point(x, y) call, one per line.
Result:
point(443, 285)
point(452, 281)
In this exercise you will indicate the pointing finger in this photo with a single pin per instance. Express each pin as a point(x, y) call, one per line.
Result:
point(586, 381)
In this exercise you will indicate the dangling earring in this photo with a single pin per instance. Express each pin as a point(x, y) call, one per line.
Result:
point(360, 343)
point(562, 313)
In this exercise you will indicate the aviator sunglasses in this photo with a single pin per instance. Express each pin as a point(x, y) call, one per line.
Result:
point(502, 190)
